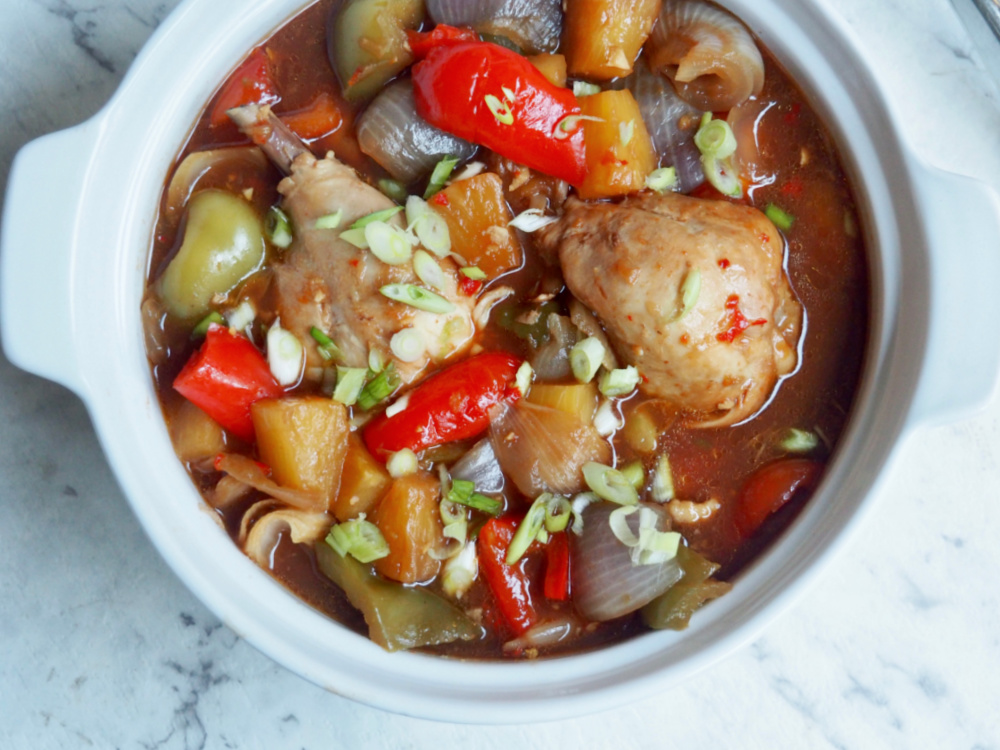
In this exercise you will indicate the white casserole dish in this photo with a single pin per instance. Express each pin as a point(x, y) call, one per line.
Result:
point(73, 268)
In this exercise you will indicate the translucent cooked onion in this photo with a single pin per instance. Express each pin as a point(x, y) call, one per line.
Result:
point(302, 526)
point(606, 583)
point(533, 25)
point(551, 360)
point(542, 449)
point(671, 123)
point(250, 472)
point(480, 466)
point(546, 633)
point(198, 164)
point(392, 133)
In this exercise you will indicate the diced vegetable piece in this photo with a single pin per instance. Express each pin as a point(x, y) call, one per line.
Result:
point(509, 584)
point(585, 358)
point(442, 35)
point(506, 104)
point(368, 44)
point(557, 562)
point(673, 609)
point(358, 538)
point(619, 382)
point(225, 377)
point(195, 435)
point(477, 215)
point(399, 617)
point(285, 355)
point(609, 484)
point(251, 83)
point(602, 38)
point(553, 67)
point(402, 463)
point(619, 150)
point(579, 399)
point(223, 244)
point(452, 404)
point(363, 482)
point(321, 117)
point(409, 520)
point(770, 487)
point(303, 440)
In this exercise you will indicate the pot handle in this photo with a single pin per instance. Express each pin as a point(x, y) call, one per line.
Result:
point(962, 359)
point(37, 253)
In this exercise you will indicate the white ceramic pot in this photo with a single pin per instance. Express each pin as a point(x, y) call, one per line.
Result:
point(76, 233)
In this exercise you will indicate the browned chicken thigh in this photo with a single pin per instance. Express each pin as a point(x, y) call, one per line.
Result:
point(691, 292)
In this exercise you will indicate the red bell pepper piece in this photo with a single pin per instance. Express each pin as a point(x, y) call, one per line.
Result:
point(442, 35)
point(452, 404)
point(557, 567)
point(770, 487)
point(252, 82)
point(490, 95)
point(322, 117)
point(510, 584)
point(224, 377)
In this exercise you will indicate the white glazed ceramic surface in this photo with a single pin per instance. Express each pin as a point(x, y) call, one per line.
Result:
point(108, 173)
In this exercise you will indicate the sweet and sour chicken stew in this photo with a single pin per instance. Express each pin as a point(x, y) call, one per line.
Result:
point(507, 328)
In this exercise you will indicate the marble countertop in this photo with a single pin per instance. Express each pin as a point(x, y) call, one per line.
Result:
point(896, 646)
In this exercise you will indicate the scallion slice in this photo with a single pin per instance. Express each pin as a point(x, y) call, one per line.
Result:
point(428, 270)
point(379, 388)
point(355, 237)
point(609, 484)
point(324, 344)
point(407, 345)
point(690, 292)
point(779, 217)
point(522, 379)
point(473, 272)
point(528, 530)
point(626, 130)
point(715, 138)
point(200, 330)
point(384, 215)
point(722, 176)
point(427, 224)
point(358, 538)
point(442, 171)
point(585, 358)
point(278, 227)
point(662, 488)
point(800, 441)
point(568, 125)
point(402, 463)
point(330, 221)
point(558, 512)
point(635, 474)
point(661, 180)
point(619, 382)
point(501, 110)
point(242, 315)
point(585, 88)
point(463, 492)
point(531, 220)
point(418, 297)
point(285, 355)
point(393, 189)
point(350, 382)
point(388, 243)
point(460, 571)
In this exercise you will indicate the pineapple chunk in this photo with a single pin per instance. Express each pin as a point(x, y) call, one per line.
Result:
point(578, 398)
point(363, 482)
point(410, 521)
point(195, 435)
point(602, 38)
point(553, 67)
point(619, 150)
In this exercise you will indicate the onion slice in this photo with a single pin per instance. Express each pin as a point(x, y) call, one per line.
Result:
point(249, 472)
point(196, 166)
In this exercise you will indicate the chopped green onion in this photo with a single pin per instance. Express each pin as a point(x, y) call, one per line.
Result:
point(473, 272)
point(715, 138)
point(407, 345)
point(428, 270)
point(522, 379)
point(508, 94)
point(376, 362)
point(800, 441)
point(388, 243)
point(528, 530)
point(662, 488)
point(579, 504)
point(242, 315)
point(618, 521)
point(350, 382)
point(531, 220)
point(661, 180)
point(650, 547)
point(418, 297)
point(690, 292)
point(585, 358)
point(430, 228)
point(463, 492)
point(460, 571)
point(355, 237)
point(635, 474)
point(558, 512)
point(383, 215)
point(201, 329)
point(402, 463)
point(398, 405)
point(330, 221)
point(609, 484)
point(625, 132)
point(442, 171)
point(567, 125)
point(779, 217)
point(722, 176)
point(278, 228)
point(379, 388)
point(359, 538)
point(585, 88)
point(285, 355)
point(451, 512)
point(324, 344)
point(393, 189)
point(607, 419)
point(619, 382)
point(501, 110)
